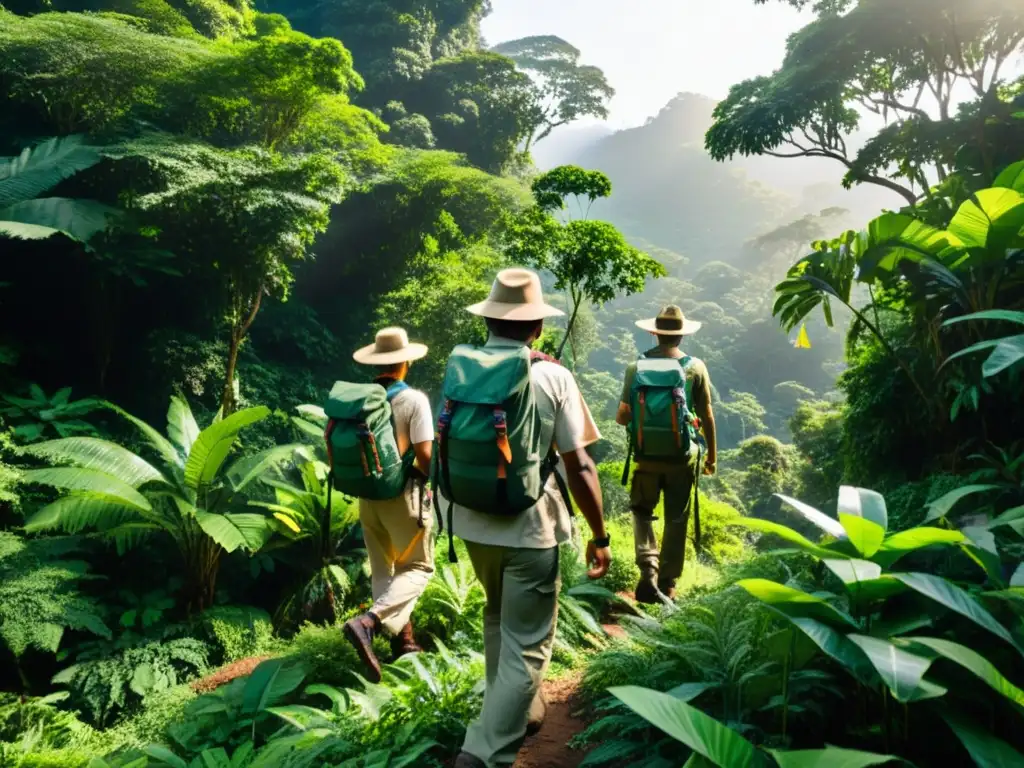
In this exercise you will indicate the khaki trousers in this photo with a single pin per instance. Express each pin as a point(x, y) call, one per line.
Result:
point(519, 632)
point(664, 565)
point(401, 553)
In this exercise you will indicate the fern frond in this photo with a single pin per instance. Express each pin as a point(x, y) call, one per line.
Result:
point(42, 167)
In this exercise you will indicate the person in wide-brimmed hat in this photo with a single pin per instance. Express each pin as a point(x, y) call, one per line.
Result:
point(515, 557)
point(397, 531)
point(660, 568)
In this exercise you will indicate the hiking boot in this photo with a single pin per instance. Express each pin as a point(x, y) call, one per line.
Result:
point(404, 642)
point(535, 719)
point(360, 632)
point(466, 760)
point(647, 592)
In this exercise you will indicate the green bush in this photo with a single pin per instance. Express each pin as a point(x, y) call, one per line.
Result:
point(326, 655)
point(240, 631)
point(616, 496)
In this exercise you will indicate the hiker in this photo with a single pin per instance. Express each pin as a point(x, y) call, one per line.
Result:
point(666, 404)
point(379, 439)
point(508, 414)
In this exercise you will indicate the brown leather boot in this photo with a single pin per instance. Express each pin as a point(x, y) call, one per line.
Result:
point(647, 591)
point(360, 632)
point(404, 642)
point(466, 760)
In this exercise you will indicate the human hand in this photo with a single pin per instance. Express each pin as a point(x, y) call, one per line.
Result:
point(600, 558)
point(709, 467)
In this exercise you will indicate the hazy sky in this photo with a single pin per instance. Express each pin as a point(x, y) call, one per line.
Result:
point(650, 50)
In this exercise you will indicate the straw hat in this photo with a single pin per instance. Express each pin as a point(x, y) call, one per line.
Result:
point(390, 347)
point(670, 322)
point(515, 295)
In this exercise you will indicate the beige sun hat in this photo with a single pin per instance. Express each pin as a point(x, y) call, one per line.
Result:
point(515, 295)
point(390, 347)
point(670, 322)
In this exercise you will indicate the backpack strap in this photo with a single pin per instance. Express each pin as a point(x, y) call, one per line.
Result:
point(395, 388)
point(550, 465)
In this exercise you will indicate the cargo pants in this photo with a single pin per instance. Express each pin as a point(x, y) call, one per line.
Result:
point(401, 552)
point(663, 565)
point(519, 632)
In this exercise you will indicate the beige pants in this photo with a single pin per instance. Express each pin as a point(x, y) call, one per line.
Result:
point(519, 632)
point(401, 553)
point(665, 564)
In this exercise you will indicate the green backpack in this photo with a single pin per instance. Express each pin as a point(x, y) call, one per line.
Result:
point(663, 426)
point(362, 449)
point(488, 455)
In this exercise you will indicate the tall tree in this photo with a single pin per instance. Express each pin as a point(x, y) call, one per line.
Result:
point(591, 260)
point(903, 60)
point(568, 90)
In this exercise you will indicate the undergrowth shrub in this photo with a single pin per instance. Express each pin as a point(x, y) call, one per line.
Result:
point(240, 631)
point(325, 654)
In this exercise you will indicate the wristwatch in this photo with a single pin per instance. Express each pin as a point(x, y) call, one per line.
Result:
point(603, 542)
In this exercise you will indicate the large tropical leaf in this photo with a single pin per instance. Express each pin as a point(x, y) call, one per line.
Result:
point(214, 443)
point(827, 524)
point(898, 545)
point(701, 733)
point(862, 502)
point(901, 670)
point(830, 757)
point(943, 505)
point(1012, 177)
point(101, 455)
point(181, 424)
point(80, 511)
point(249, 468)
point(893, 238)
point(992, 218)
point(90, 480)
point(786, 534)
point(38, 219)
point(158, 442)
point(840, 648)
point(973, 662)
point(865, 535)
point(40, 168)
point(986, 750)
point(235, 531)
point(955, 599)
point(796, 603)
point(269, 683)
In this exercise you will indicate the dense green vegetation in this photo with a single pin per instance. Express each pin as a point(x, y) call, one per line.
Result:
point(205, 205)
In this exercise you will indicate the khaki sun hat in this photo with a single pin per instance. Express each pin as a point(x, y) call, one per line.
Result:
point(515, 295)
point(390, 347)
point(670, 322)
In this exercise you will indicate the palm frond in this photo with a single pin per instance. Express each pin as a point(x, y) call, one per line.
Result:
point(81, 511)
point(213, 445)
point(242, 472)
point(42, 167)
point(89, 480)
point(181, 424)
point(236, 531)
point(38, 219)
point(101, 455)
point(158, 442)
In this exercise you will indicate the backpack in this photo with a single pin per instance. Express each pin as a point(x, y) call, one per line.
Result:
point(663, 426)
point(488, 455)
point(362, 449)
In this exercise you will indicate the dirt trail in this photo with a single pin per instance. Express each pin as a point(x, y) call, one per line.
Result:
point(549, 748)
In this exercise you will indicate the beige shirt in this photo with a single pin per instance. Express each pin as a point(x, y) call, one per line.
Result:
point(566, 422)
point(413, 422)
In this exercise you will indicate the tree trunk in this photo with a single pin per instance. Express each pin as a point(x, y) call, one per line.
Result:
point(239, 331)
point(568, 328)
